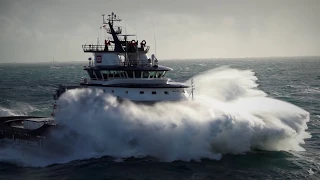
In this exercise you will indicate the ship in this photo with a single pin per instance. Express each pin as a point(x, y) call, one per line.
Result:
point(122, 68)
point(119, 67)
point(25, 130)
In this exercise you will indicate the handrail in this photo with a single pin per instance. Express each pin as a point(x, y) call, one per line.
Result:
point(140, 63)
point(90, 48)
point(104, 48)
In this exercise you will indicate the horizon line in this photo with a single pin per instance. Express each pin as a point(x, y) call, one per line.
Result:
point(213, 58)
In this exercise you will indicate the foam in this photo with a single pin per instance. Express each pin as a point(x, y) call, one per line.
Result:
point(229, 115)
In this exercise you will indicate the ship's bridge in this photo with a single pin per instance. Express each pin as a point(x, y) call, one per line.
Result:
point(110, 72)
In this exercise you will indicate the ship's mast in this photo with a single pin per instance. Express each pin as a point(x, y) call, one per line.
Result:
point(111, 19)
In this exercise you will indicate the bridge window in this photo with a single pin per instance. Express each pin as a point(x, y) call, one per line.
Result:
point(110, 74)
point(158, 74)
point(97, 74)
point(91, 74)
point(137, 74)
point(145, 74)
point(163, 73)
point(116, 73)
point(130, 74)
point(152, 74)
point(123, 74)
point(154, 92)
point(141, 92)
point(105, 74)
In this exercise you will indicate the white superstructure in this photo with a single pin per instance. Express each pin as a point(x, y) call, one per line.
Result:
point(122, 67)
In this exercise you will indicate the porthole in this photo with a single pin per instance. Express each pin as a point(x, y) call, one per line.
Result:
point(141, 92)
point(154, 92)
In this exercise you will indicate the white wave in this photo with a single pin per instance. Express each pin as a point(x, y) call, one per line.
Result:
point(227, 84)
point(6, 112)
point(20, 108)
point(229, 115)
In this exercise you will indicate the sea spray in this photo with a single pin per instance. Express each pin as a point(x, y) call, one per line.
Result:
point(226, 84)
point(229, 115)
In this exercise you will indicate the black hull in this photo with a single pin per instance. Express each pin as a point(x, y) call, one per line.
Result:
point(21, 135)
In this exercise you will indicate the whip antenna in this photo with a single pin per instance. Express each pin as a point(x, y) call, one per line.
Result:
point(155, 41)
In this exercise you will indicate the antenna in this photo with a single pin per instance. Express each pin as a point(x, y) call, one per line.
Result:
point(125, 38)
point(126, 41)
point(137, 51)
point(103, 21)
point(125, 28)
point(126, 57)
point(98, 36)
point(155, 41)
point(135, 28)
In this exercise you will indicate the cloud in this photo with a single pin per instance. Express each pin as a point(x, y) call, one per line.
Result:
point(39, 30)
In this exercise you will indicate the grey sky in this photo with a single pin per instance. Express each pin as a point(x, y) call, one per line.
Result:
point(38, 30)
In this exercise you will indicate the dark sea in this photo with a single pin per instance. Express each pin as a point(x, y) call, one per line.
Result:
point(252, 118)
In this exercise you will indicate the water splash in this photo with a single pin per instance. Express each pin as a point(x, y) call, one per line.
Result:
point(229, 115)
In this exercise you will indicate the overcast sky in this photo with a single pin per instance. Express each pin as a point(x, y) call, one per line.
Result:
point(38, 30)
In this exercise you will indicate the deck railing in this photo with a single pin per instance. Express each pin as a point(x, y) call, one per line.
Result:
point(109, 48)
point(97, 48)
point(140, 63)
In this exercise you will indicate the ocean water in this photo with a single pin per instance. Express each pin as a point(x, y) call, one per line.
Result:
point(253, 118)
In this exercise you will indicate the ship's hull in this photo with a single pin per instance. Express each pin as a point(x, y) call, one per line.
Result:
point(136, 94)
point(9, 133)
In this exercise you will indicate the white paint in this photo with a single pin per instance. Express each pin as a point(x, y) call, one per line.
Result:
point(106, 59)
point(134, 94)
point(143, 57)
point(132, 81)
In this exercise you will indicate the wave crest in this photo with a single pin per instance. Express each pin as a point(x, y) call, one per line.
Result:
point(229, 115)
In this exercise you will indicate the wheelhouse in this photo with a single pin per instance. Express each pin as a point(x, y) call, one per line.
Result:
point(102, 74)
